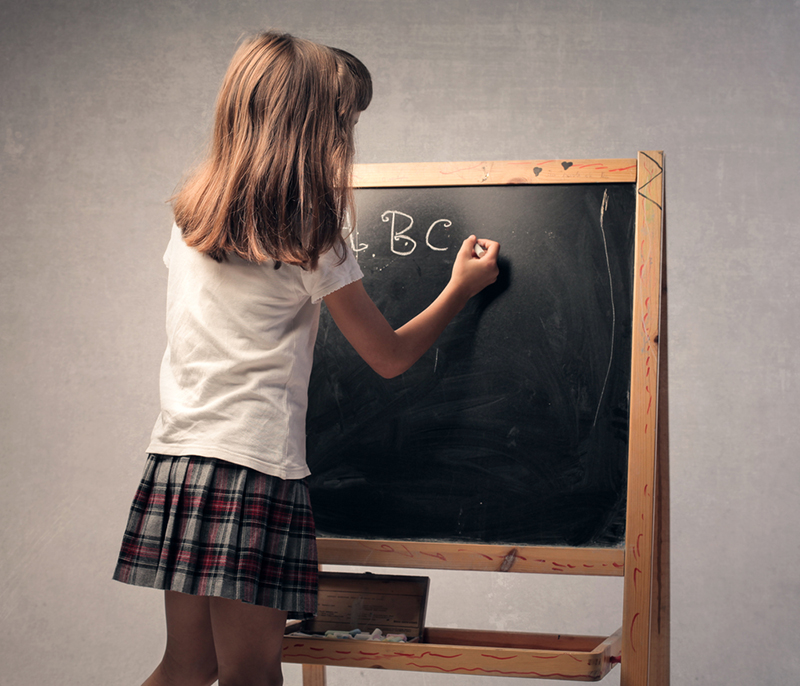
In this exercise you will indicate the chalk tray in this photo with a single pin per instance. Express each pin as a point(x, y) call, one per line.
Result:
point(396, 604)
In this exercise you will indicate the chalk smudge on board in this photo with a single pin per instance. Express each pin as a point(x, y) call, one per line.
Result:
point(613, 310)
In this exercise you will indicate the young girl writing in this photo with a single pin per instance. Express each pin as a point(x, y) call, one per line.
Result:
point(221, 520)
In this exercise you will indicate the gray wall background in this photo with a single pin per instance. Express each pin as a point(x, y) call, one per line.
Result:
point(106, 104)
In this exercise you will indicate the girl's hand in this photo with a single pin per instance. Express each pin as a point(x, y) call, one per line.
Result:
point(475, 266)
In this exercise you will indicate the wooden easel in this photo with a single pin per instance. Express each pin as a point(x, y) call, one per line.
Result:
point(641, 644)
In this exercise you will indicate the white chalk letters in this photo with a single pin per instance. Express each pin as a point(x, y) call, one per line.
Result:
point(401, 223)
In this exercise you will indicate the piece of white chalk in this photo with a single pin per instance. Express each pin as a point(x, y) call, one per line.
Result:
point(479, 251)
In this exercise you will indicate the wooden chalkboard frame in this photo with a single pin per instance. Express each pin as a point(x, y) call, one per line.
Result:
point(582, 658)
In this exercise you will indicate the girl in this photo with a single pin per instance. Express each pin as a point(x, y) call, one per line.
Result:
point(221, 520)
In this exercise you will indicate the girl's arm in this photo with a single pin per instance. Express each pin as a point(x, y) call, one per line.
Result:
point(391, 352)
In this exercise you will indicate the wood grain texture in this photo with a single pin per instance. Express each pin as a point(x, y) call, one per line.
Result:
point(638, 586)
point(472, 557)
point(455, 651)
point(494, 173)
point(660, 618)
point(313, 675)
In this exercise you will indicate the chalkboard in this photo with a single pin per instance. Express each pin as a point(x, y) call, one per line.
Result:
point(513, 427)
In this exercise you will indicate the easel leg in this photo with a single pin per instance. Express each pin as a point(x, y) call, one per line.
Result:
point(659, 672)
point(313, 675)
point(643, 576)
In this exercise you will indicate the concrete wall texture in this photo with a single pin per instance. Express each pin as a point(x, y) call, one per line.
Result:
point(106, 104)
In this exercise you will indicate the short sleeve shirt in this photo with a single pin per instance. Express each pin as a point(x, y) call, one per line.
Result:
point(240, 342)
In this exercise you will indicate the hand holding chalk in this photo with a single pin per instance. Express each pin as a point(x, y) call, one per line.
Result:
point(476, 265)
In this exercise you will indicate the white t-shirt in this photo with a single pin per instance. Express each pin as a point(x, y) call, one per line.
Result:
point(240, 344)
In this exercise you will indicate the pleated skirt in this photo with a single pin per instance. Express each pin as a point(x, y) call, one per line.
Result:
point(211, 528)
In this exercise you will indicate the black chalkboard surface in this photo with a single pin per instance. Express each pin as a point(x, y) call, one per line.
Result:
point(513, 428)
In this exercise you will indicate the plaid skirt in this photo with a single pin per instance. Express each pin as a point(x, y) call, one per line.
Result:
point(211, 528)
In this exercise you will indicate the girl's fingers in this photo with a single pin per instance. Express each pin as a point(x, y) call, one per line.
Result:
point(492, 248)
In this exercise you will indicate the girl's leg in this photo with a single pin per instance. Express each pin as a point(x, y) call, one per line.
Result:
point(248, 641)
point(189, 658)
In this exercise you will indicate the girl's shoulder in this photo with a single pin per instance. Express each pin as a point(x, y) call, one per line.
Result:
point(336, 268)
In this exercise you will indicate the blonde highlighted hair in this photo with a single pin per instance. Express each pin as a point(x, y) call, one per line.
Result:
point(277, 182)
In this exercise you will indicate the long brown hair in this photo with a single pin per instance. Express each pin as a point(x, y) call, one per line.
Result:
point(277, 182)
